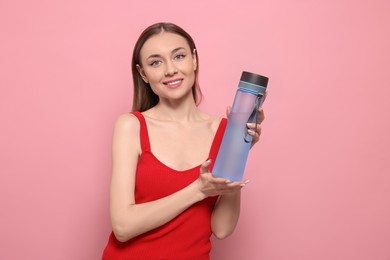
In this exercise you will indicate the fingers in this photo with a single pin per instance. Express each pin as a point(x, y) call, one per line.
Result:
point(224, 183)
point(204, 168)
point(229, 187)
point(254, 129)
point(260, 119)
point(243, 184)
point(228, 110)
point(210, 185)
point(230, 184)
point(260, 115)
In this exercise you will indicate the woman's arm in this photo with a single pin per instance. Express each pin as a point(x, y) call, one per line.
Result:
point(225, 214)
point(129, 219)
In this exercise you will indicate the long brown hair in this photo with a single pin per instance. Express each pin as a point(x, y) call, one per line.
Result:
point(144, 98)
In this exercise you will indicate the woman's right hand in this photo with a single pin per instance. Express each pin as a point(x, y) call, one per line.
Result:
point(211, 186)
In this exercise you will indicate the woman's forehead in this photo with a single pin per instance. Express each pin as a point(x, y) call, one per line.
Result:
point(164, 42)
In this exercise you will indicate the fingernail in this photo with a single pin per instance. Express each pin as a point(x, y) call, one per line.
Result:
point(228, 181)
point(244, 183)
point(250, 131)
point(207, 163)
point(250, 124)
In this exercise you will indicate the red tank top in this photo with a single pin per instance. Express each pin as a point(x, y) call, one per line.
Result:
point(185, 237)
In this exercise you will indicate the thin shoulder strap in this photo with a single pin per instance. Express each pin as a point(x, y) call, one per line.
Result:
point(144, 137)
point(217, 141)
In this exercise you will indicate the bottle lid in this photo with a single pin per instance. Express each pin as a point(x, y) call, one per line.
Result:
point(253, 83)
point(254, 79)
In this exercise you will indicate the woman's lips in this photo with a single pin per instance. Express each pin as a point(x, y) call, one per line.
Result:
point(173, 83)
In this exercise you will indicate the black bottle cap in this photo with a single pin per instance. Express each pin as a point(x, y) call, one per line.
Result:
point(254, 79)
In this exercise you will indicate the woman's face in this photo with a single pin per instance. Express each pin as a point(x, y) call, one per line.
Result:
point(168, 65)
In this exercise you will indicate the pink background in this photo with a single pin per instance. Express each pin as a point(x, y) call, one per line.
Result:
point(320, 176)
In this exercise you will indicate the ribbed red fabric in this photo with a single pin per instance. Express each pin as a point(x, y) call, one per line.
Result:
point(185, 237)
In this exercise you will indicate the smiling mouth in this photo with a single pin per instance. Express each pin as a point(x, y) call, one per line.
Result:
point(174, 83)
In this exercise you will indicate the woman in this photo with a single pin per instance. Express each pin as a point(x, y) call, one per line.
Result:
point(164, 201)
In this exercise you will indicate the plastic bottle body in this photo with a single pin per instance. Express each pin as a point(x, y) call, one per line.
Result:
point(233, 152)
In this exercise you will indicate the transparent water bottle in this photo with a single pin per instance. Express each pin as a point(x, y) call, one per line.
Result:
point(233, 152)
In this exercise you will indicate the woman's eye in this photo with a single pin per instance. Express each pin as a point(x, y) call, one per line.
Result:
point(155, 63)
point(179, 56)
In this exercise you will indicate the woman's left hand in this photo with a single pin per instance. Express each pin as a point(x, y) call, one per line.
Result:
point(254, 130)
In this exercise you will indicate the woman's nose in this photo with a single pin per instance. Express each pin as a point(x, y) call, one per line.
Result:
point(170, 69)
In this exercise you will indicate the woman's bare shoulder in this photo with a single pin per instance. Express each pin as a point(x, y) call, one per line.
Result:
point(210, 117)
point(212, 120)
point(127, 122)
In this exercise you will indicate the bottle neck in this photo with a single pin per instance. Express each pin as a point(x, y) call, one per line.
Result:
point(251, 88)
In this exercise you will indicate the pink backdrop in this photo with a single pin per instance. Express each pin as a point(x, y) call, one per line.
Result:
point(320, 176)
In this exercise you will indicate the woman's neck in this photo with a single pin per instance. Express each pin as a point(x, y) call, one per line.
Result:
point(175, 111)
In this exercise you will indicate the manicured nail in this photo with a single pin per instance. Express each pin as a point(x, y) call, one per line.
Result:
point(251, 132)
point(207, 163)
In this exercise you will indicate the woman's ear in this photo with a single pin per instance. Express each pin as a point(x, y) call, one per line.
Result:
point(142, 73)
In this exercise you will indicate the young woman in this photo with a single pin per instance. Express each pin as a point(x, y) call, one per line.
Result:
point(164, 201)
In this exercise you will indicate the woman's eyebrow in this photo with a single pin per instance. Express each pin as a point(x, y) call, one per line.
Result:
point(172, 52)
point(177, 49)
